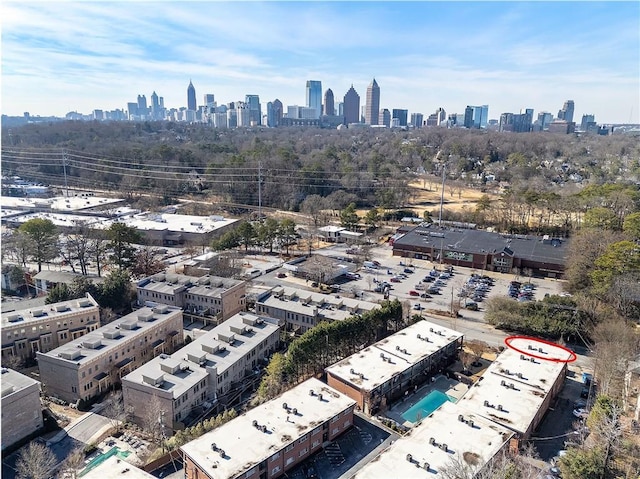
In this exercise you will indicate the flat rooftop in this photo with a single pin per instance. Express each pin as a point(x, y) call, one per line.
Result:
point(513, 388)
point(245, 446)
point(60, 203)
point(174, 222)
point(305, 302)
point(60, 219)
point(113, 335)
point(208, 350)
point(373, 366)
point(12, 382)
point(115, 468)
point(470, 439)
point(169, 283)
point(48, 312)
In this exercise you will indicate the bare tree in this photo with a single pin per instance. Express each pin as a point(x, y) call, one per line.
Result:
point(153, 420)
point(477, 348)
point(35, 461)
point(115, 410)
point(616, 346)
point(73, 464)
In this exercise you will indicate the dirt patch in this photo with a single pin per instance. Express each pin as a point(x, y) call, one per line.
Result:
point(427, 197)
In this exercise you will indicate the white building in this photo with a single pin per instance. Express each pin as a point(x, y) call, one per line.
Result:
point(451, 434)
point(517, 389)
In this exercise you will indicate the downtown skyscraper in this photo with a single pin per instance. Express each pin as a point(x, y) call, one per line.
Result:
point(351, 106)
point(314, 96)
point(566, 113)
point(191, 97)
point(373, 104)
point(329, 106)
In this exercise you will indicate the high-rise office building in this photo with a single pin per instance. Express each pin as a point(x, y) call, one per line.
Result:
point(255, 113)
point(401, 115)
point(417, 119)
point(341, 109)
point(384, 117)
point(566, 113)
point(314, 96)
point(588, 123)
point(329, 107)
point(155, 106)
point(373, 104)
point(142, 105)
point(351, 106)
point(277, 111)
point(476, 116)
point(191, 97)
point(544, 120)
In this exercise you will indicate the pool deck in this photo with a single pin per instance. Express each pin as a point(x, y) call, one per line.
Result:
point(441, 383)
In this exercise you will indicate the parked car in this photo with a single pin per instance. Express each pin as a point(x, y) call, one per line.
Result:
point(394, 279)
point(417, 307)
point(428, 279)
point(420, 287)
point(282, 275)
point(413, 293)
point(471, 305)
point(580, 413)
point(425, 295)
point(408, 270)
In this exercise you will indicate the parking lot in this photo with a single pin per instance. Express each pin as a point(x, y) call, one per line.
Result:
point(405, 278)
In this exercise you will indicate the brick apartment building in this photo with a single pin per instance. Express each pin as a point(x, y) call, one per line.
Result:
point(90, 365)
point(383, 372)
point(205, 373)
point(269, 440)
point(25, 332)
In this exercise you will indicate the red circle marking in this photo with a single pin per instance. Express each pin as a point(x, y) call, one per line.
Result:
point(572, 356)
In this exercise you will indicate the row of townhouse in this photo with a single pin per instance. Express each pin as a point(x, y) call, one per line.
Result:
point(41, 329)
point(384, 371)
point(210, 297)
point(271, 439)
point(90, 365)
point(301, 310)
point(204, 373)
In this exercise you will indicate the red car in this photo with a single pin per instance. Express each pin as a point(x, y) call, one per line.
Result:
point(394, 280)
point(413, 293)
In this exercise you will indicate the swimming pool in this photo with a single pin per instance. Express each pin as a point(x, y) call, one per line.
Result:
point(426, 406)
point(96, 461)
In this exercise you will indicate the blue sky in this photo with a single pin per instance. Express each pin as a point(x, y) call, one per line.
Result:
point(77, 56)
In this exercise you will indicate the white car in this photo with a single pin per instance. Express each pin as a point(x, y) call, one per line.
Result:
point(580, 413)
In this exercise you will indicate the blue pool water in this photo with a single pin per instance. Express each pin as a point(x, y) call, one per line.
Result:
point(426, 406)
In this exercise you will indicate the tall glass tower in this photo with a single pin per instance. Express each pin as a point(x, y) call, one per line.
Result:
point(191, 97)
point(373, 104)
point(314, 96)
point(351, 106)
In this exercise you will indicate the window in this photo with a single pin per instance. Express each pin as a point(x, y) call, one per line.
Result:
point(304, 451)
point(289, 461)
point(288, 448)
point(275, 470)
point(335, 431)
point(334, 419)
point(275, 456)
point(315, 443)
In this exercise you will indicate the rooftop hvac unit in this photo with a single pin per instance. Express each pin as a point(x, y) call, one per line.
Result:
point(111, 334)
point(432, 441)
point(250, 320)
point(36, 313)
point(61, 308)
point(69, 354)
point(161, 309)
point(156, 381)
point(210, 348)
point(238, 329)
point(145, 316)
point(92, 343)
point(285, 406)
point(169, 366)
point(409, 458)
point(129, 325)
point(83, 303)
point(14, 318)
point(197, 358)
point(312, 392)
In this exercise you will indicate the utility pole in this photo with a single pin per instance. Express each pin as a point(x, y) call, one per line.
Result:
point(260, 191)
point(444, 169)
point(64, 167)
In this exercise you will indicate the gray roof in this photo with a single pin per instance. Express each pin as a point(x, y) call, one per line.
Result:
point(533, 248)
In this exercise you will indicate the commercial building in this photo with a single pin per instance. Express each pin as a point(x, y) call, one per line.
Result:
point(566, 113)
point(329, 104)
point(210, 297)
point(373, 103)
point(21, 407)
point(301, 310)
point(46, 280)
point(43, 328)
point(272, 438)
point(400, 115)
point(191, 97)
point(383, 372)
point(450, 435)
point(89, 366)
point(484, 250)
point(208, 371)
point(518, 387)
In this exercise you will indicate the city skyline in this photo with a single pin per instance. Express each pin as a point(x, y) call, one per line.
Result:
point(424, 55)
